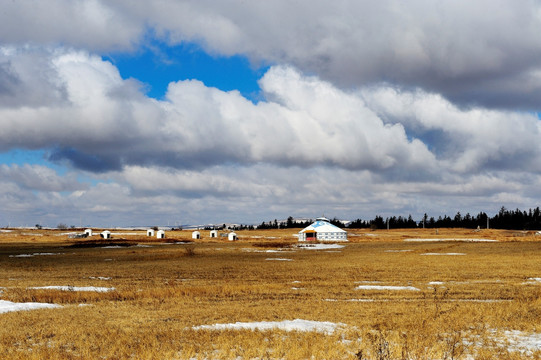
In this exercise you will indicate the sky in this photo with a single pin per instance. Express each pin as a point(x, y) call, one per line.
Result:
point(142, 113)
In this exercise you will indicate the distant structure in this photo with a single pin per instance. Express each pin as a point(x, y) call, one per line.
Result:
point(88, 232)
point(160, 234)
point(150, 232)
point(232, 236)
point(196, 235)
point(322, 230)
point(106, 234)
point(213, 233)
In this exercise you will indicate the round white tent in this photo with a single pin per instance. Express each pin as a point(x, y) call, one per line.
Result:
point(160, 234)
point(88, 232)
point(106, 234)
point(150, 232)
point(232, 236)
point(322, 230)
point(196, 235)
point(213, 233)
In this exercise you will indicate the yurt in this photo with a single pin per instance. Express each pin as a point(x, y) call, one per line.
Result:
point(88, 232)
point(196, 235)
point(150, 232)
point(213, 233)
point(232, 236)
point(106, 234)
point(160, 234)
point(322, 230)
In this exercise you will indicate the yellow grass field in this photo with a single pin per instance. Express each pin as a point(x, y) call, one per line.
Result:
point(384, 294)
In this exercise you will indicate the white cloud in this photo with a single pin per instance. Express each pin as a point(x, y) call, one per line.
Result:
point(104, 123)
point(38, 177)
point(483, 52)
point(203, 154)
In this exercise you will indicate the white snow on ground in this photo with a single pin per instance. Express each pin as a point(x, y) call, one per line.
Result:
point(386, 287)
point(278, 259)
point(8, 306)
point(532, 281)
point(452, 254)
point(450, 239)
point(320, 246)
point(516, 340)
point(34, 254)
point(287, 325)
point(357, 300)
point(74, 288)
point(267, 251)
point(435, 283)
point(6, 231)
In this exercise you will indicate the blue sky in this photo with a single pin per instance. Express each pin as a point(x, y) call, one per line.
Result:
point(158, 64)
point(181, 112)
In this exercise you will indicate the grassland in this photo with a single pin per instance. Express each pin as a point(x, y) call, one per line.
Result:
point(464, 297)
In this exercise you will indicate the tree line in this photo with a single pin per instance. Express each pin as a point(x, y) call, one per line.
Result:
point(504, 219)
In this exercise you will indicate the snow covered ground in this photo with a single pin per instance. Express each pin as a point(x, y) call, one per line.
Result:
point(8, 306)
point(450, 239)
point(386, 287)
point(278, 259)
point(287, 325)
point(74, 288)
point(34, 254)
point(319, 246)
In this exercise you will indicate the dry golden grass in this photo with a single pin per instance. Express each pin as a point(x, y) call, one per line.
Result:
point(163, 291)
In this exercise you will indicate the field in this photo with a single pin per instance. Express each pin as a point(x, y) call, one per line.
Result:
point(383, 295)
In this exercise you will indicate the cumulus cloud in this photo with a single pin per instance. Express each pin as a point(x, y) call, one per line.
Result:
point(81, 110)
point(476, 53)
point(101, 122)
point(92, 24)
point(39, 178)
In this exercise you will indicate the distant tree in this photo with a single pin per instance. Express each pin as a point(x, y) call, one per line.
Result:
point(62, 226)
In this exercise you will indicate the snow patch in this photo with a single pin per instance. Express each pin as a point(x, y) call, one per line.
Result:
point(286, 325)
point(8, 306)
point(320, 246)
point(278, 259)
point(386, 287)
point(397, 251)
point(450, 239)
point(74, 288)
point(34, 254)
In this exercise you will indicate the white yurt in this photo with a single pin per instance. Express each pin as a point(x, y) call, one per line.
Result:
point(160, 234)
point(106, 234)
point(232, 236)
point(150, 232)
point(88, 232)
point(196, 235)
point(322, 230)
point(213, 233)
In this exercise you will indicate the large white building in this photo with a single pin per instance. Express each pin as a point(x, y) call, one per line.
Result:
point(322, 230)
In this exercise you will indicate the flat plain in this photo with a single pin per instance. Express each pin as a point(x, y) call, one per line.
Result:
point(385, 294)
